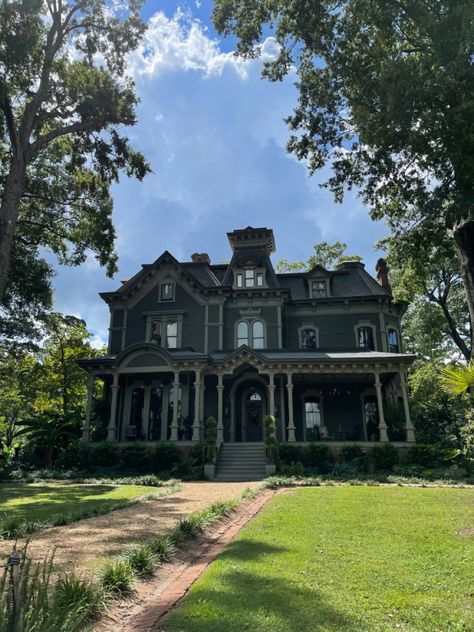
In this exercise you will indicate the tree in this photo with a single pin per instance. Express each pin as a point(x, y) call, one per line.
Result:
point(426, 274)
point(385, 98)
point(64, 97)
point(325, 255)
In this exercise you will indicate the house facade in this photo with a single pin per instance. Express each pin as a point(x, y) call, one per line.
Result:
point(319, 350)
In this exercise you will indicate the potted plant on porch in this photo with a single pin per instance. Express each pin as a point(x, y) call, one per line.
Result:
point(210, 447)
point(271, 446)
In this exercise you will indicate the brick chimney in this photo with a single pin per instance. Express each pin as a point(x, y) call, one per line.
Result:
point(201, 257)
point(382, 270)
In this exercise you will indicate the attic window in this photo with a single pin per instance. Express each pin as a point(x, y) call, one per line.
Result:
point(249, 278)
point(167, 292)
point(319, 289)
point(259, 279)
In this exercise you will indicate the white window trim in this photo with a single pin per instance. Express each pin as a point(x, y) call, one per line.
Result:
point(319, 279)
point(307, 394)
point(399, 338)
point(167, 282)
point(250, 323)
point(365, 323)
point(256, 270)
point(300, 334)
point(164, 319)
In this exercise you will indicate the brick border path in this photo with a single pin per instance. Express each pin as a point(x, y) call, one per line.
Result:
point(153, 600)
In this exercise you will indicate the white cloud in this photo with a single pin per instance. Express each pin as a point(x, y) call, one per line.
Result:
point(182, 43)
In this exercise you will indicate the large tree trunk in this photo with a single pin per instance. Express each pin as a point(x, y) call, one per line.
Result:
point(464, 236)
point(9, 209)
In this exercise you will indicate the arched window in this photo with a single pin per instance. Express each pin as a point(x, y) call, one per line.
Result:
point(393, 344)
point(258, 336)
point(308, 338)
point(312, 418)
point(365, 337)
point(242, 333)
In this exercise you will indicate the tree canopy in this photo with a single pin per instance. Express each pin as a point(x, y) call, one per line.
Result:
point(385, 99)
point(325, 255)
point(65, 99)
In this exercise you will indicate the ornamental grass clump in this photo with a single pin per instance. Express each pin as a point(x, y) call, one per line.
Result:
point(142, 560)
point(163, 547)
point(117, 577)
point(73, 593)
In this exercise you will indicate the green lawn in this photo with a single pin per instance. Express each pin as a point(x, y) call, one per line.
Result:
point(343, 559)
point(45, 501)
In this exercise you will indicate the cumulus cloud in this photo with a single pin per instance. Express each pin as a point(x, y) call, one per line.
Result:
point(183, 43)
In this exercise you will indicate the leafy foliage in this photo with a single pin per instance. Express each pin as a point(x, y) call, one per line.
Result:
point(65, 98)
point(325, 255)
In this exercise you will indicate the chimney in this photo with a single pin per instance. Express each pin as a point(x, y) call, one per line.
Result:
point(201, 257)
point(382, 270)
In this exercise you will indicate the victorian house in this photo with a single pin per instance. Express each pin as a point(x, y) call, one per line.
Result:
point(320, 350)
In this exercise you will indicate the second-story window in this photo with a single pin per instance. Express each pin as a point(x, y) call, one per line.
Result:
point(258, 335)
point(365, 337)
point(172, 334)
point(308, 338)
point(167, 292)
point(242, 333)
point(393, 344)
point(156, 331)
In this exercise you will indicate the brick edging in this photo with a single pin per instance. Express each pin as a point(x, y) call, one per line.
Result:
point(175, 578)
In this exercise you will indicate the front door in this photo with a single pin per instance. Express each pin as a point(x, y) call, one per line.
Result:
point(254, 421)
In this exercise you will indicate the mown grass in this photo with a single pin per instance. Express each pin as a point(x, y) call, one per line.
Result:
point(343, 559)
point(28, 507)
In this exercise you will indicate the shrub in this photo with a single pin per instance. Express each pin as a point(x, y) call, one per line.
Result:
point(11, 526)
point(117, 577)
point(135, 456)
point(292, 469)
point(163, 547)
point(270, 437)
point(289, 453)
point(142, 560)
point(198, 453)
point(77, 455)
point(385, 456)
point(186, 470)
point(318, 457)
point(354, 456)
point(75, 593)
point(165, 455)
point(105, 454)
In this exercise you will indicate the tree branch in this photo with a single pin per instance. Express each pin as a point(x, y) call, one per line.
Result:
point(80, 126)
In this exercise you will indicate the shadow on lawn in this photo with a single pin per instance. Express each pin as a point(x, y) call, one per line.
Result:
point(243, 600)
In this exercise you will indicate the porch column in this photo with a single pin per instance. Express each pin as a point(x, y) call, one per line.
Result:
point(220, 411)
point(146, 411)
point(197, 392)
point(410, 432)
point(271, 394)
point(291, 423)
point(382, 425)
point(282, 409)
point(112, 429)
point(87, 422)
point(174, 421)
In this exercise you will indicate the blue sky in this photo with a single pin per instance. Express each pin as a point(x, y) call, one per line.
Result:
point(214, 134)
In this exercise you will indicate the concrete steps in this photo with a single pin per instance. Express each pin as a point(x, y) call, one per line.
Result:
point(241, 462)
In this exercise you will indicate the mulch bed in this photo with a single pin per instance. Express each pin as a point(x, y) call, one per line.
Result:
point(152, 601)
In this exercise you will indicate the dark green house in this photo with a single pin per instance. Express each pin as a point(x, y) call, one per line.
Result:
point(319, 350)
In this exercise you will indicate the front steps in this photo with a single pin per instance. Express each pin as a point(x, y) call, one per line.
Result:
point(241, 462)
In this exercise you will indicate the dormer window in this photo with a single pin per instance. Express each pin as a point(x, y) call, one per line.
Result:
point(240, 281)
point(259, 279)
point(319, 288)
point(249, 278)
point(167, 292)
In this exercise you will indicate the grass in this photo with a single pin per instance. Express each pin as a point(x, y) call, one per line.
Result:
point(343, 558)
point(28, 507)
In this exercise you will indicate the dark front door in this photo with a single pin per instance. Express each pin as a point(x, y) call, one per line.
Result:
point(254, 419)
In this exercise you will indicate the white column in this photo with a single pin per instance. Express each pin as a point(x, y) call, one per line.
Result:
point(87, 422)
point(146, 411)
point(382, 425)
point(112, 429)
point(410, 432)
point(197, 392)
point(282, 409)
point(291, 423)
point(174, 421)
point(220, 411)
point(271, 394)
